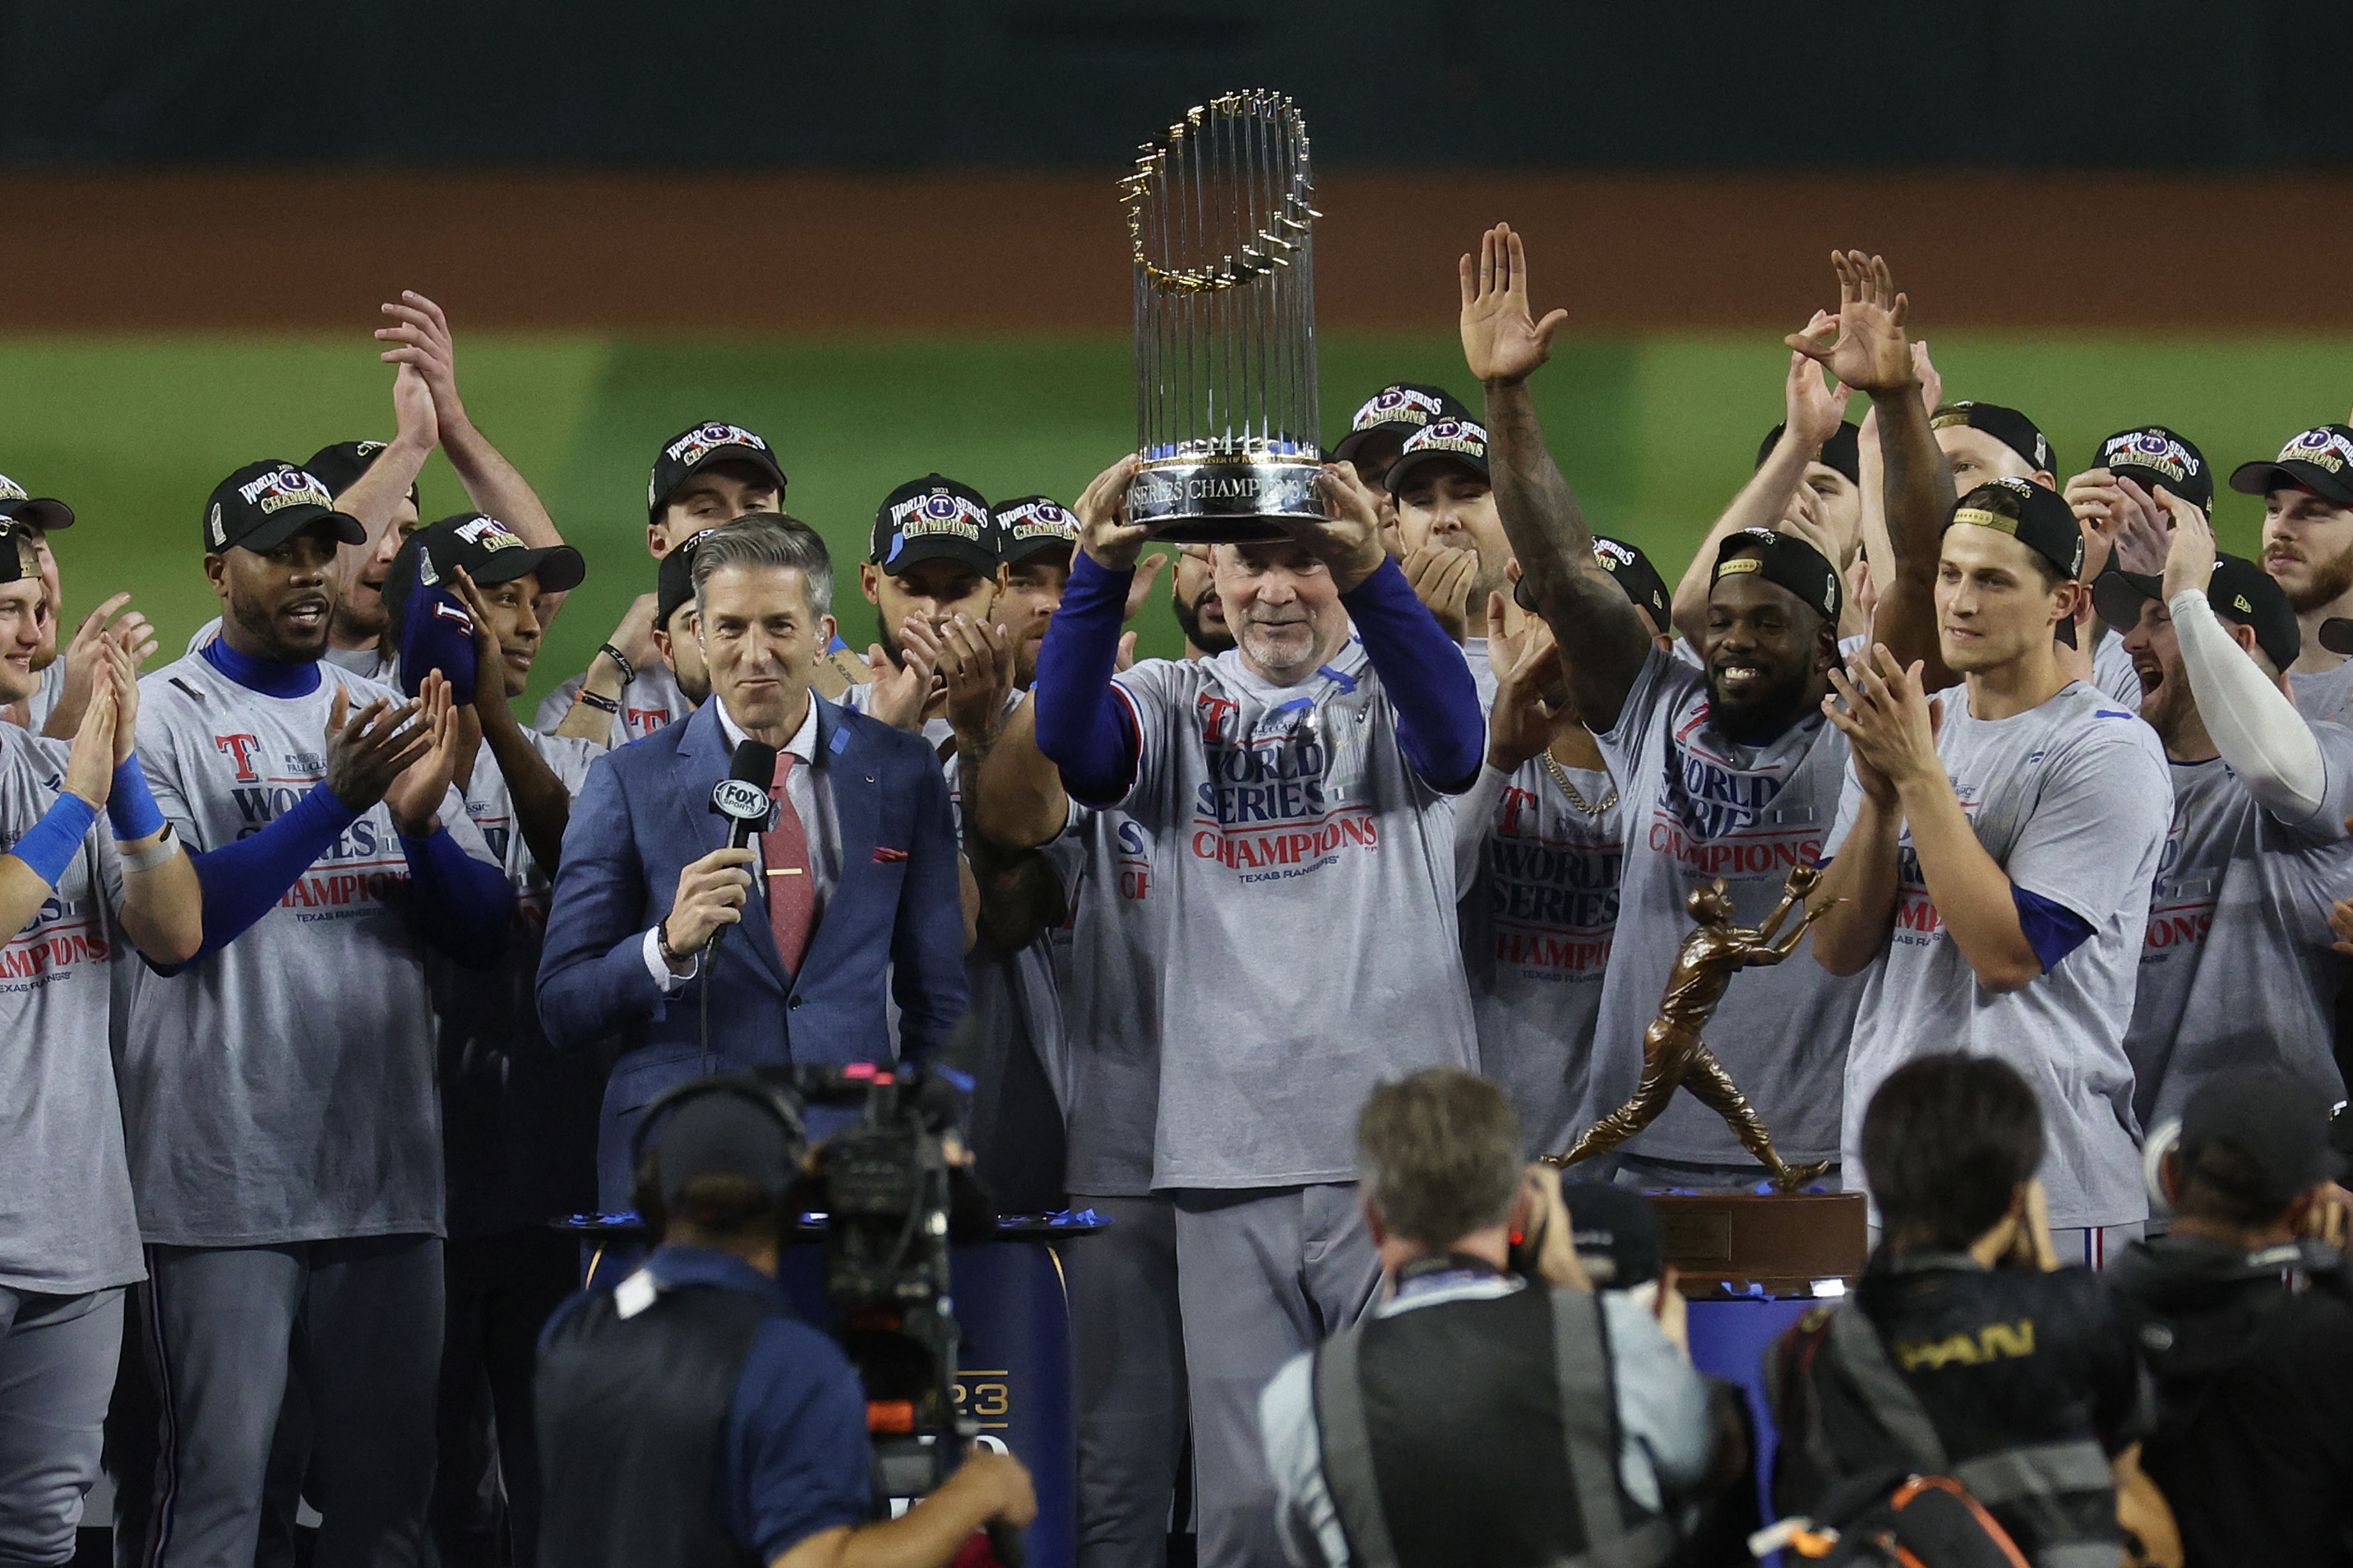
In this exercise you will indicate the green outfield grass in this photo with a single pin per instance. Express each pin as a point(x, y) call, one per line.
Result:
point(1656, 432)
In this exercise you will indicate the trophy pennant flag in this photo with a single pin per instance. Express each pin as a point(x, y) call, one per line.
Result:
point(1219, 224)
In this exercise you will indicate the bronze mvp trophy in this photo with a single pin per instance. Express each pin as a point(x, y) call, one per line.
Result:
point(1783, 1242)
point(1218, 224)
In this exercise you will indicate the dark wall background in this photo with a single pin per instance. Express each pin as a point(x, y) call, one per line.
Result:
point(900, 84)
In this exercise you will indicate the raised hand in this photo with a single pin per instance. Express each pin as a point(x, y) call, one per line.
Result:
point(1441, 577)
point(414, 419)
point(1109, 540)
point(1892, 722)
point(900, 692)
point(1348, 540)
point(122, 671)
point(84, 656)
point(1813, 408)
point(2145, 536)
point(90, 765)
point(368, 749)
point(422, 343)
point(2189, 553)
point(1502, 339)
point(416, 792)
point(1139, 588)
point(1526, 665)
point(1864, 345)
point(634, 635)
point(977, 660)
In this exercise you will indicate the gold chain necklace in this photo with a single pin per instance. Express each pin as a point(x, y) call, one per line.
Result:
point(1560, 776)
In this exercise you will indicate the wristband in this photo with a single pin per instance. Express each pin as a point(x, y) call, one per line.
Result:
point(148, 858)
point(601, 704)
point(673, 957)
point(621, 660)
point(50, 845)
point(130, 805)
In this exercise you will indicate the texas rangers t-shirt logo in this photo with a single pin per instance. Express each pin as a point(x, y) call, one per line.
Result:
point(242, 747)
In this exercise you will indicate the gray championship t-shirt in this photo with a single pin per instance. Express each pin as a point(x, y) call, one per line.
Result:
point(1537, 919)
point(647, 703)
point(1698, 806)
point(2235, 965)
point(281, 1089)
point(1309, 942)
point(2071, 799)
point(2324, 697)
point(1106, 967)
point(65, 1220)
point(518, 1118)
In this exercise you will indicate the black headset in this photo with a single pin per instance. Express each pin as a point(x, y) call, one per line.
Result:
point(645, 1193)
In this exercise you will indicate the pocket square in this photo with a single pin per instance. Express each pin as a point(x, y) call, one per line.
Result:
point(885, 857)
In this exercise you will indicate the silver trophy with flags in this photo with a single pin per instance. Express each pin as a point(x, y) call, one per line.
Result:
point(1218, 220)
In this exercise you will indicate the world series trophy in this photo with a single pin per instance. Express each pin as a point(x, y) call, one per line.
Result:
point(1218, 223)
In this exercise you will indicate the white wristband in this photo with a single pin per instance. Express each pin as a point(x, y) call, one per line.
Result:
point(148, 858)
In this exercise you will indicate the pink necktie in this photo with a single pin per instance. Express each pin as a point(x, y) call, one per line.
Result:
point(792, 890)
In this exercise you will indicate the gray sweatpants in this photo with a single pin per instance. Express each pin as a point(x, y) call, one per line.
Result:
point(364, 1319)
point(1130, 1342)
point(1262, 1274)
point(57, 1355)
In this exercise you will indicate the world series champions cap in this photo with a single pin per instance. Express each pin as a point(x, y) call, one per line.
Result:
point(2239, 590)
point(2029, 513)
point(265, 503)
point(2007, 426)
point(1635, 575)
point(491, 553)
point(33, 511)
point(931, 519)
point(1783, 559)
point(1842, 451)
point(2152, 455)
point(1032, 525)
point(2319, 460)
point(1395, 411)
point(713, 440)
point(1462, 441)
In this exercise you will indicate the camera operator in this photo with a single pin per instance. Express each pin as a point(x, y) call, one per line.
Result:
point(688, 1418)
point(2249, 1328)
point(1440, 1431)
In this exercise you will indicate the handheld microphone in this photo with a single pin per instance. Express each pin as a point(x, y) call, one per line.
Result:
point(742, 798)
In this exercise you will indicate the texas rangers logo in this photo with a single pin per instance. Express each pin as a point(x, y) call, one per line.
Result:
point(1449, 436)
point(1396, 405)
point(701, 442)
point(1215, 713)
point(286, 487)
point(241, 747)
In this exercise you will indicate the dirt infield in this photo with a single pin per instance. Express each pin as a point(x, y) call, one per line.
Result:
point(983, 254)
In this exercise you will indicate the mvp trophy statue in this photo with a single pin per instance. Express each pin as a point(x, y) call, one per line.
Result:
point(1218, 223)
point(1779, 1242)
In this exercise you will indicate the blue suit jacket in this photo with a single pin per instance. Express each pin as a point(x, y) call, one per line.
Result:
point(894, 926)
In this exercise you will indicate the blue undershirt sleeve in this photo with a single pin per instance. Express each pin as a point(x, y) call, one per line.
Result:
point(1083, 727)
point(465, 908)
point(1440, 728)
point(242, 881)
point(2052, 930)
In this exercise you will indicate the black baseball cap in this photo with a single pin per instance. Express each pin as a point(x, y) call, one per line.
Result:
point(489, 550)
point(1033, 525)
point(2239, 590)
point(2277, 1124)
point(1396, 410)
point(1842, 451)
point(12, 551)
point(723, 1133)
point(2319, 460)
point(934, 518)
point(1617, 1231)
point(2151, 455)
point(339, 466)
point(1635, 575)
point(265, 503)
point(1784, 559)
point(674, 579)
point(713, 440)
point(2007, 426)
point(33, 511)
point(2031, 514)
point(1462, 441)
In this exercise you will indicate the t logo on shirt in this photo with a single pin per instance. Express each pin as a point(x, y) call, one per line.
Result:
point(1215, 712)
point(242, 747)
point(645, 721)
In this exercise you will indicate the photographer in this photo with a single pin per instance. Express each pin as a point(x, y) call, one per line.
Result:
point(2246, 1316)
point(1440, 1430)
point(689, 1418)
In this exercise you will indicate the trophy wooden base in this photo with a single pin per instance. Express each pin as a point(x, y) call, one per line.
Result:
point(1779, 1244)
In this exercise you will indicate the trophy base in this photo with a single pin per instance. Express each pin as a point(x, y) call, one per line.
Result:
point(1224, 500)
point(1777, 1244)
